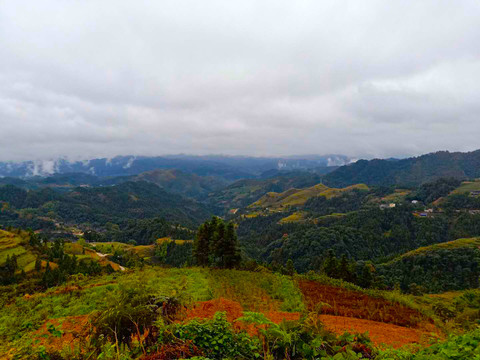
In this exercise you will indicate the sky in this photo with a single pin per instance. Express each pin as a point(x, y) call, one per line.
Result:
point(373, 78)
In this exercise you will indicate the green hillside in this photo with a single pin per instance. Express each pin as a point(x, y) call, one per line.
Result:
point(467, 187)
point(244, 192)
point(456, 244)
point(97, 205)
point(454, 265)
point(298, 197)
point(179, 182)
point(408, 172)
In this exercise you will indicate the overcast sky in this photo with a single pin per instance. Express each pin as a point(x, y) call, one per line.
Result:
point(362, 78)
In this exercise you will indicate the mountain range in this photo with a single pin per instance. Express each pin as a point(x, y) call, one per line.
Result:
point(407, 172)
point(229, 167)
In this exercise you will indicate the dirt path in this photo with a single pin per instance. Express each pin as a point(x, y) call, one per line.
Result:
point(380, 333)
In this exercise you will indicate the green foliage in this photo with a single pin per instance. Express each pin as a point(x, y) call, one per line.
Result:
point(299, 340)
point(175, 254)
point(216, 245)
point(130, 312)
point(448, 266)
point(217, 339)
point(431, 191)
point(457, 347)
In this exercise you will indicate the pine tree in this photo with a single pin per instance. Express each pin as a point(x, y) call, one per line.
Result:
point(201, 246)
point(343, 268)
point(366, 277)
point(47, 278)
point(290, 268)
point(38, 264)
point(231, 252)
point(219, 244)
point(331, 265)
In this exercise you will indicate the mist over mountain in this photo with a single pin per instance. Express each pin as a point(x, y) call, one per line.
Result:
point(228, 167)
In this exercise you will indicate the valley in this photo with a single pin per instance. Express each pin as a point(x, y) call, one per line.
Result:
point(169, 264)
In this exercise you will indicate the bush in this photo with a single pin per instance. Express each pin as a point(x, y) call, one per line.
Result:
point(216, 338)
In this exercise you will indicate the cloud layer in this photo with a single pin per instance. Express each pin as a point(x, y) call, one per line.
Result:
point(362, 78)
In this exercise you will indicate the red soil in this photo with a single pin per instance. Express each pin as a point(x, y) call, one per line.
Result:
point(379, 333)
point(207, 310)
point(338, 301)
point(74, 329)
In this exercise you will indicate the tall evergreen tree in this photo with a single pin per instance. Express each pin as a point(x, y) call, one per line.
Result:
point(290, 268)
point(216, 244)
point(219, 244)
point(201, 246)
point(231, 252)
point(331, 265)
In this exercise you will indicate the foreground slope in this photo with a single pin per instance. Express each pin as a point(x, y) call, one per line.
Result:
point(60, 318)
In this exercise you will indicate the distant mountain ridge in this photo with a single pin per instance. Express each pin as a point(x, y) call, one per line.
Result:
point(407, 172)
point(229, 167)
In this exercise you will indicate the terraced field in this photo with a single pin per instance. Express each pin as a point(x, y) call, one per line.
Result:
point(12, 244)
point(298, 197)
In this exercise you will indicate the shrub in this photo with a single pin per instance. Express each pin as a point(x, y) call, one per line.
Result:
point(216, 338)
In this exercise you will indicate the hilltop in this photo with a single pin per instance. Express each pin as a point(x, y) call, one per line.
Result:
point(408, 172)
point(244, 192)
point(440, 267)
point(179, 182)
point(298, 197)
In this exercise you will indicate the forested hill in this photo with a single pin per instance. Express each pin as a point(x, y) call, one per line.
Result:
point(183, 183)
point(407, 172)
point(99, 205)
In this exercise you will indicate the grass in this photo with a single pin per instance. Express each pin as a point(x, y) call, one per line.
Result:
point(82, 296)
point(177, 241)
point(110, 247)
point(467, 187)
point(397, 196)
point(297, 216)
point(254, 291)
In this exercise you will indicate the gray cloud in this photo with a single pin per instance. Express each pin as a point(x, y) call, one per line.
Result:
point(370, 78)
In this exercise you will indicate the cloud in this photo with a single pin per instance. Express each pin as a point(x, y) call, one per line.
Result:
point(89, 79)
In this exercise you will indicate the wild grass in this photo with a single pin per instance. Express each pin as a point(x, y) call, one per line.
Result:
point(257, 291)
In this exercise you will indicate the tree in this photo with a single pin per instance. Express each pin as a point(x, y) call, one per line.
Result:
point(289, 268)
point(201, 246)
point(38, 264)
point(231, 253)
point(344, 269)
point(216, 244)
point(331, 265)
